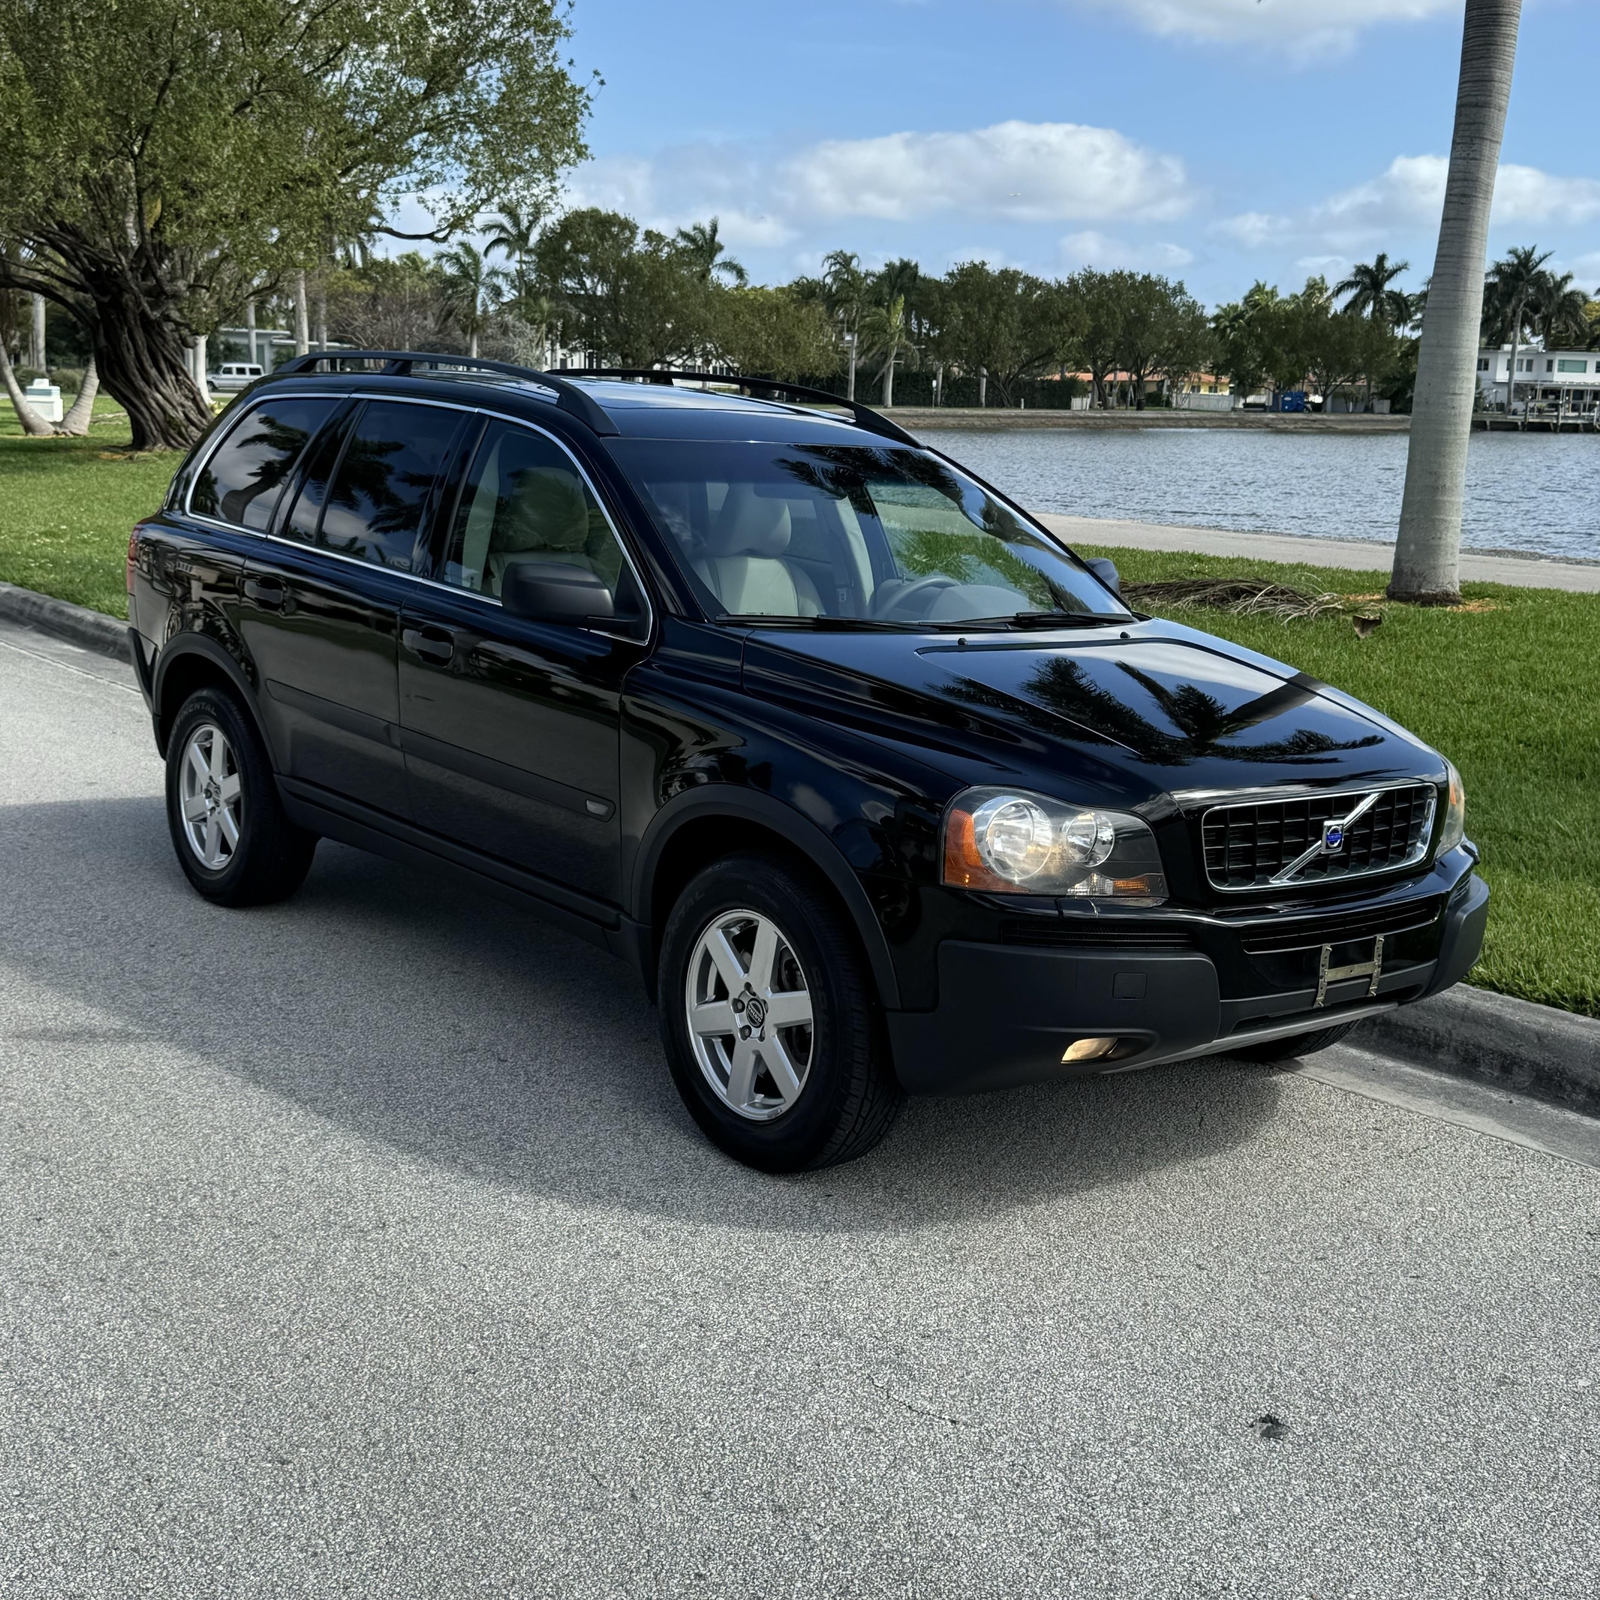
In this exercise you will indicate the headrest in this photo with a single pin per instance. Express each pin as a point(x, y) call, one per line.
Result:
point(544, 509)
point(749, 524)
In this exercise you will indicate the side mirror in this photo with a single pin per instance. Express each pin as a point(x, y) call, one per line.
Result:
point(1106, 571)
point(554, 591)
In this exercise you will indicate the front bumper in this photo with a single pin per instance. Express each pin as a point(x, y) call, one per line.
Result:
point(1006, 1013)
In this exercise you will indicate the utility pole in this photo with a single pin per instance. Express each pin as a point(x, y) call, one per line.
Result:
point(302, 319)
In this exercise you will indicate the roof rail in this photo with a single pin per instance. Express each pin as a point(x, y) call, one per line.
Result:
point(399, 363)
point(865, 417)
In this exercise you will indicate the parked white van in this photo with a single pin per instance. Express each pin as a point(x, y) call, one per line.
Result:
point(234, 376)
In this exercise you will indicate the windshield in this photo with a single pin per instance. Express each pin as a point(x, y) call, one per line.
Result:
point(873, 535)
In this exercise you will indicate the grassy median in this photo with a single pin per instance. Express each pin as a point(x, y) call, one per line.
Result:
point(1505, 687)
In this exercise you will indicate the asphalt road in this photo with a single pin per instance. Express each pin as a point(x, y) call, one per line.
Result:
point(359, 1246)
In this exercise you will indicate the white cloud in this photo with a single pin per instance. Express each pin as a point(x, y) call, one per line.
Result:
point(1021, 171)
point(1303, 27)
point(1093, 249)
point(1410, 194)
point(1013, 172)
point(1254, 228)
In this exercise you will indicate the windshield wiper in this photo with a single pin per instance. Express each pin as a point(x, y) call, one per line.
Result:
point(1052, 619)
point(736, 619)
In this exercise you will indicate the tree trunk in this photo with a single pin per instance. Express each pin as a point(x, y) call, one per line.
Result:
point(32, 423)
point(250, 323)
point(322, 309)
point(37, 353)
point(302, 318)
point(1428, 547)
point(983, 386)
point(888, 380)
point(142, 363)
point(76, 422)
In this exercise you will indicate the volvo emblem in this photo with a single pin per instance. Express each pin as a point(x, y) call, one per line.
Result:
point(1330, 842)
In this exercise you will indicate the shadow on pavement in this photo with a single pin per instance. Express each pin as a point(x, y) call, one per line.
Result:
point(467, 1035)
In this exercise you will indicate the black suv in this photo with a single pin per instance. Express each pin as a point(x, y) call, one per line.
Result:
point(879, 787)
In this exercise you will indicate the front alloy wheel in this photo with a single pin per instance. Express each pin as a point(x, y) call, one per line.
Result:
point(772, 1028)
point(749, 1014)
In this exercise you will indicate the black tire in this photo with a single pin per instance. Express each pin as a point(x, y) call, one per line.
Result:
point(849, 1094)
point(272, 856)
point(1300, 1044)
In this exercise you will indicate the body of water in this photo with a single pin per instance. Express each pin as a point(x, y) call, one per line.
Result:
point(1535, 492)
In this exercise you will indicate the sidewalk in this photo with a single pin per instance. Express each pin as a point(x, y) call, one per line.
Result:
point(1523, 572)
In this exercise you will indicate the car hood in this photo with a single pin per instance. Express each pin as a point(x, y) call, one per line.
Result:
point(1155, 708)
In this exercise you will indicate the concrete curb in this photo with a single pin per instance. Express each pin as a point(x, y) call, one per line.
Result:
point(93, 630)
point(1513, 1044)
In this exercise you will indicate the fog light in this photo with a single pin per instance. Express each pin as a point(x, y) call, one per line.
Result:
point(1088, 1049)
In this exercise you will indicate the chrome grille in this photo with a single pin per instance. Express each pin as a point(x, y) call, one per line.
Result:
point(1257, 844)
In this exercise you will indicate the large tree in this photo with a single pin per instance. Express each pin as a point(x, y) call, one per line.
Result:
point(1007, 323)
point(1427, 553)
point(629, 297)
point(164, 157)
point(1162, 331)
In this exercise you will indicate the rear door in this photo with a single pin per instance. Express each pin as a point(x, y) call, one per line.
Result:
point(322, 598)
point(511, 727)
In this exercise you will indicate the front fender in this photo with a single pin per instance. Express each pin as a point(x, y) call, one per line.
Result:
point(749, 805)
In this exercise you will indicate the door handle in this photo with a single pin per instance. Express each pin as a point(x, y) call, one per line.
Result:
point(432, 644)
point(269, 593)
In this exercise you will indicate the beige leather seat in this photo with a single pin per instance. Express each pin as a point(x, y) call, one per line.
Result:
point(545, 512)
point(744, 565)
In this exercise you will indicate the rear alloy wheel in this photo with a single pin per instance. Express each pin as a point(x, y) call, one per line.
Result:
point(1300, 1044)
point(233, 840)
point(771, 1027)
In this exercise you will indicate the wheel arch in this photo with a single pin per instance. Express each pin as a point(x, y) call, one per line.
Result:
point(703, 825)
point(191, 662)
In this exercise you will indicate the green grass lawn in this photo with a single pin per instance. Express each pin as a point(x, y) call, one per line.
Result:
point(1508, 690)
point(66, 506)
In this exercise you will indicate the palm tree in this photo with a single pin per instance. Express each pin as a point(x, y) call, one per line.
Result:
point(1560, 312)
point(1370, 294)
point(1512, 288)
point(470, 287)
point(1428, 546)
point(888, 325)
point(513, 231)
point(844, 285)
point(707, 254)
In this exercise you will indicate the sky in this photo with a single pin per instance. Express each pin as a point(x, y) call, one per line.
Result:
point(1218, 141)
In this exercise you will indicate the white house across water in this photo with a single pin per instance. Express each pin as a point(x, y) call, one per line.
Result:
point(1547, 380)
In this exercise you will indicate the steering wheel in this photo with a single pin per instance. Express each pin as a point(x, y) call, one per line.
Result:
point(893, 610)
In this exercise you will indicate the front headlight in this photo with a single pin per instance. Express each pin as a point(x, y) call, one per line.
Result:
point(1454, 829)
point(1011, 841)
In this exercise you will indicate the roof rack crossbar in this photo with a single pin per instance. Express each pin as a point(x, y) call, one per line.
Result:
point(865, 417)
point(399, 363)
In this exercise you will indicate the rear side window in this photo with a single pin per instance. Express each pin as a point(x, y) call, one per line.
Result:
point(379, 495)
point(243, 476)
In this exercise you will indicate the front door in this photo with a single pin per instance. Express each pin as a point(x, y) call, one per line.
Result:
point(511, 727)
point(322, 602)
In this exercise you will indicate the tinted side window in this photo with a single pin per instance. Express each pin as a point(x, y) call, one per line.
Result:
point(306, 512)
point(241, 480)
point(524, 499)
point(380, 489)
